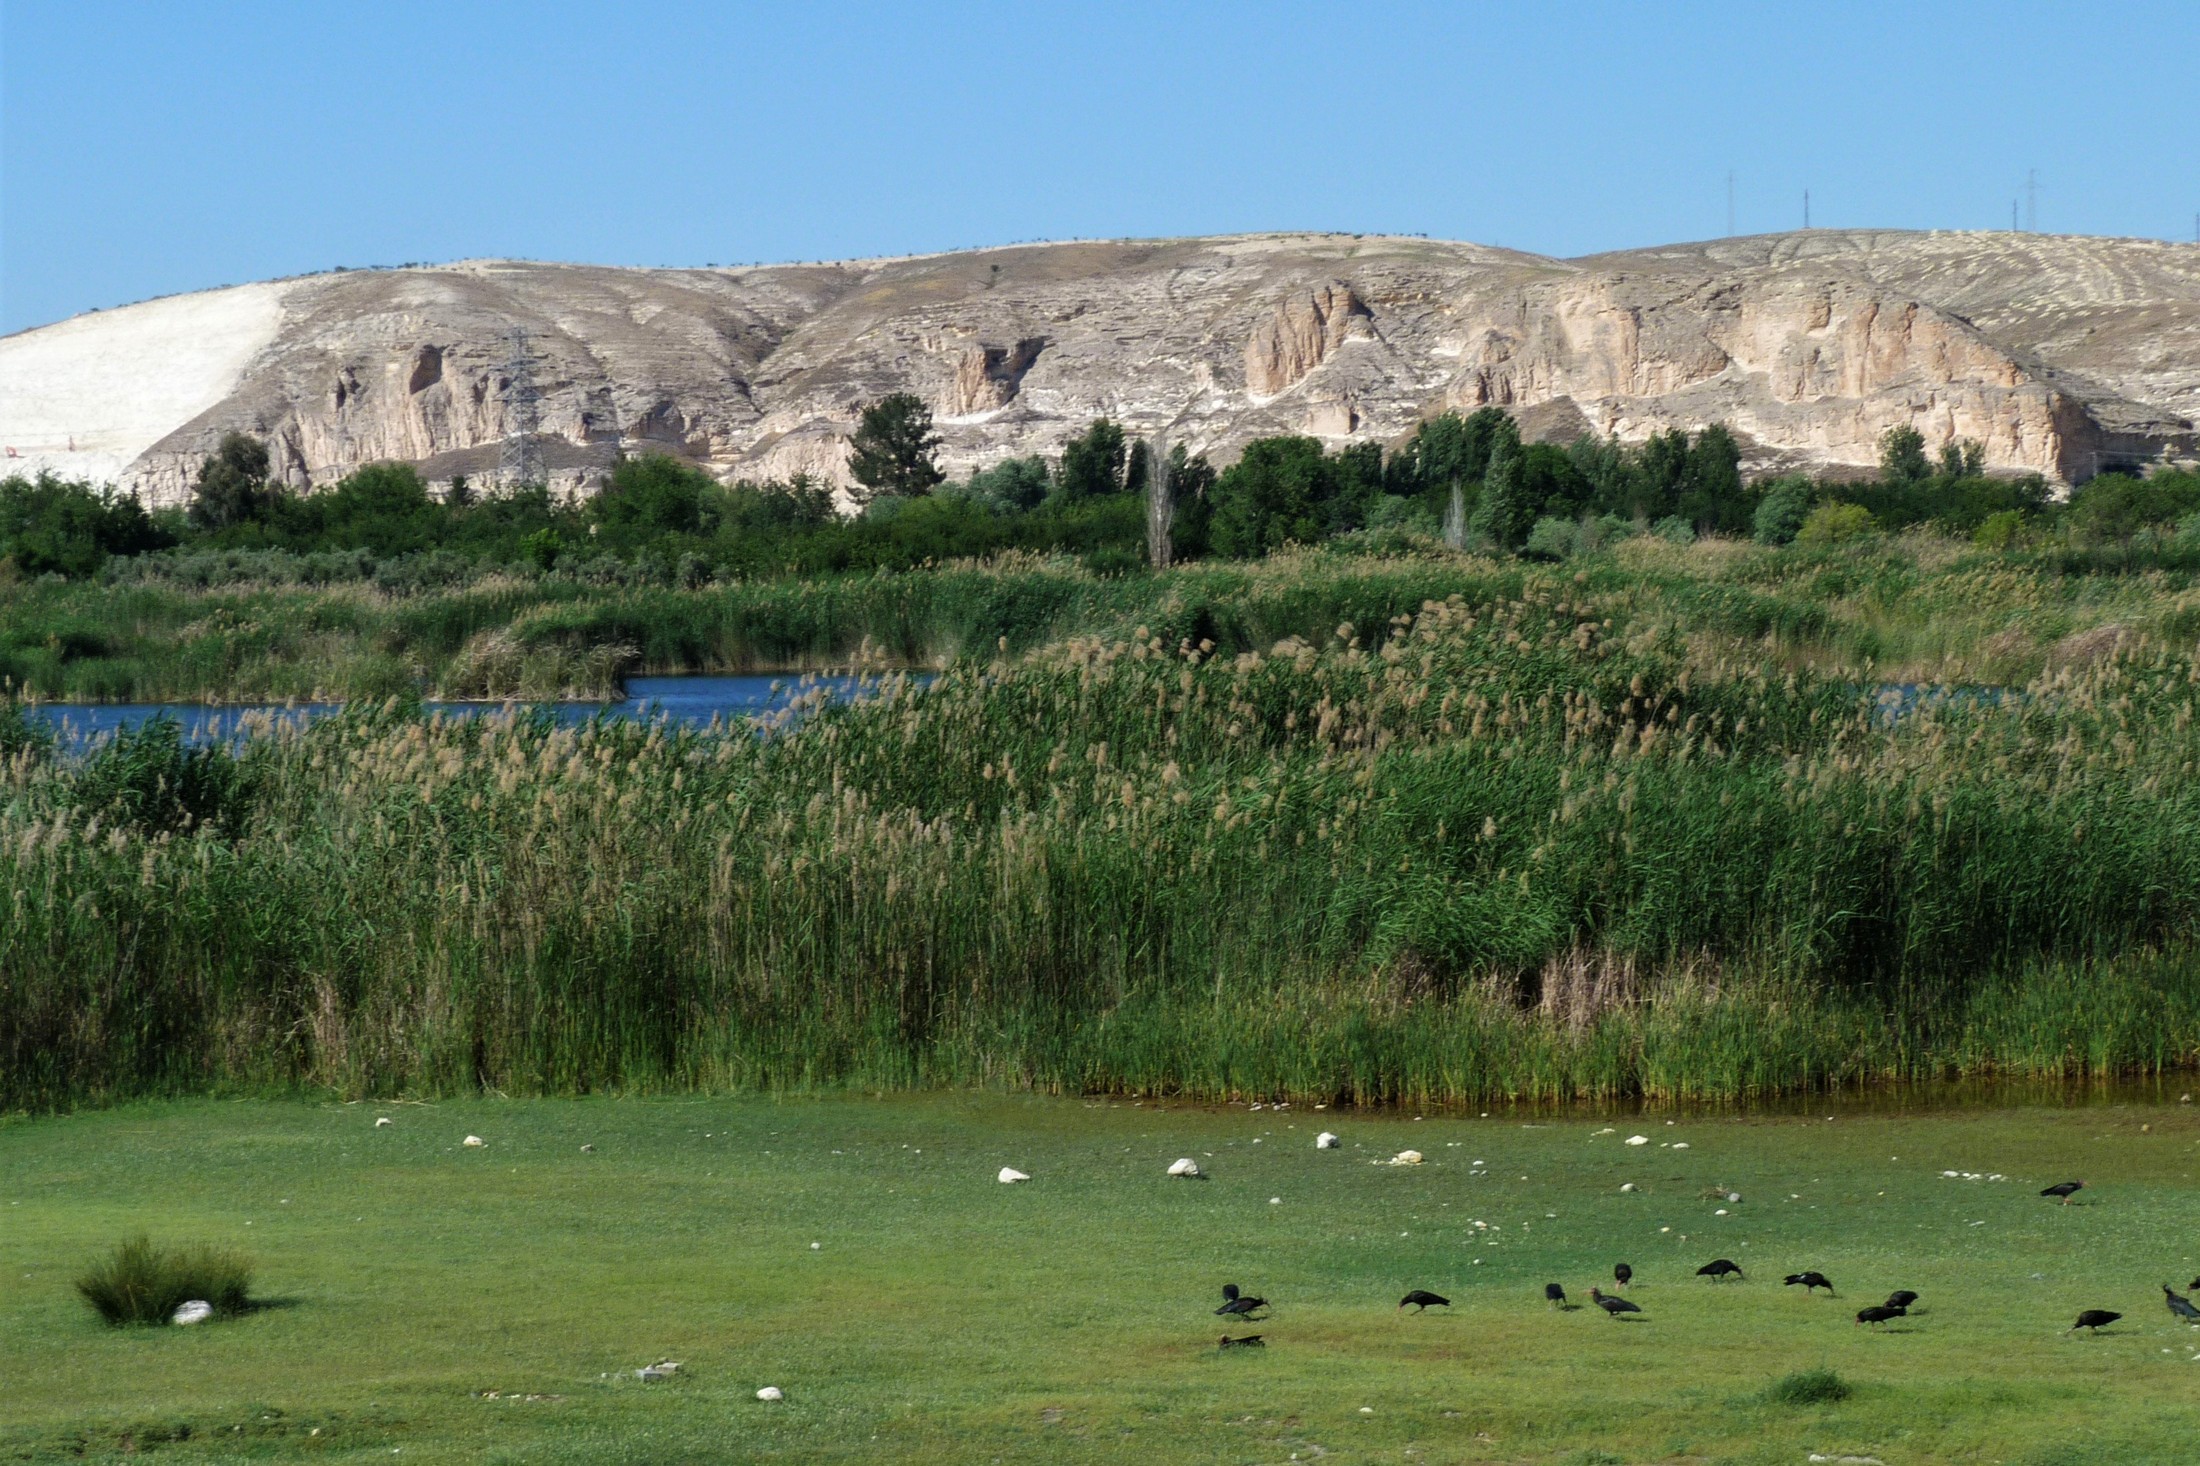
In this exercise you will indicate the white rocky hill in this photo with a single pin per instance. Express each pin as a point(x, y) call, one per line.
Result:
point(2062, 355)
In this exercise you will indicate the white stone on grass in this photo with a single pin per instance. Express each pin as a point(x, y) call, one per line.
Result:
point(771, 1392)
point(198, 1310)
point(1010, 1175)
point(473, 1141)
point(1325, 1141)
point(379, 1123)
point(1638, 1140)
point(1186, 1167)
point(1406, 1158)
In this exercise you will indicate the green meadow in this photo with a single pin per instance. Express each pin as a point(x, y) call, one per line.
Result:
point(432, 1302)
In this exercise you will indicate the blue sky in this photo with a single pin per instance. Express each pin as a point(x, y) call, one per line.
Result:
point(158, 147)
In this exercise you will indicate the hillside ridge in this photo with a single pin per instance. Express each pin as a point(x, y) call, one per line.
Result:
point(2062, 354)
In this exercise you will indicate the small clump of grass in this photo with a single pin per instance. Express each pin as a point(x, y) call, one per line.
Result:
point(140, 1283)
point(1809, 1387)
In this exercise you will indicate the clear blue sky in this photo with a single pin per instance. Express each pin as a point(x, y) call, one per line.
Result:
point(177, 144)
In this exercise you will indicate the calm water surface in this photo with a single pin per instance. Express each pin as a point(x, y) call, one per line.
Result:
point(684, 701)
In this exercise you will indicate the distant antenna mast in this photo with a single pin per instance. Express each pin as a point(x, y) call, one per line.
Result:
point(1730, 203)
point(2031, 200)
point(521, 461)
point(1806, 208)
point(2012, 216)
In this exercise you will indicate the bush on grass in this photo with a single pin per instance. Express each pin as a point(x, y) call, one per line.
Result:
point(1809, 1387)
point(141, 1283)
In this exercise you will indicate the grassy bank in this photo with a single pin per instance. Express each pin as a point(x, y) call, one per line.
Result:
point(944, 1317)
point(1917, 608)
point(1652, 834)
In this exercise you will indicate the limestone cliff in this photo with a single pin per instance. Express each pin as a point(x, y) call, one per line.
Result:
point(2061, 355)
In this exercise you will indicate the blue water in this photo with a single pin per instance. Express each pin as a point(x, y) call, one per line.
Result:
point(682, 701)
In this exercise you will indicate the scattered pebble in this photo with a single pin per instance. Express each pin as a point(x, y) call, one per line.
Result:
point(587, 1149)
point(1275, 1201)
point(771, 1392)
point(383, 1120)
point(1010, 1175)
point(198, 1310)
point(1406, 1158)
point(1680, 1145)
point(1325, 1141)
point(1638, 1140)
point(1186, 1167)
point(473, 1141)
point(1627, 1186)
point(817, 1247)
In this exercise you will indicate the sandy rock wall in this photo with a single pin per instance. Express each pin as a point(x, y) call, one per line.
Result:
point(1809, 346)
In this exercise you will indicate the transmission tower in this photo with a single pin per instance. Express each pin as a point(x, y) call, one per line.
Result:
point(521, 461)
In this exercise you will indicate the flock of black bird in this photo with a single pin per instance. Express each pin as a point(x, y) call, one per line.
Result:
point(1236, 1303)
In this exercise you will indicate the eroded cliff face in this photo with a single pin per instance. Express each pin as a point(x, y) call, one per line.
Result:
point(2060, 356)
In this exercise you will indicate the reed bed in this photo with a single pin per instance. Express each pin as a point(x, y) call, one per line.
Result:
point(1537, 836)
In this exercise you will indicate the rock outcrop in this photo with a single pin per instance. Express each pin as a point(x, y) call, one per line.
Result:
point(2061, 355)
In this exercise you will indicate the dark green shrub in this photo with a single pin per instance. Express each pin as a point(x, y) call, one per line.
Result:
point(1809, 1387)
point(141, 1283)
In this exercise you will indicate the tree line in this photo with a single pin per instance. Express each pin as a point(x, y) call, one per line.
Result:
point(1468, 480)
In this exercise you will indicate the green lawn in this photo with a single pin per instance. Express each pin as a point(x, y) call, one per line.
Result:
point(941, 1316)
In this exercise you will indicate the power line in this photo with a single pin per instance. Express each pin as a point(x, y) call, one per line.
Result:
point(521, 461)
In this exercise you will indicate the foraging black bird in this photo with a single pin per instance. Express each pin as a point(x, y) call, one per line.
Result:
point(1622, 1275)
point(1811, 1281)
point(1236, 1304)
point(2095, 1319)
point(1554, 1295)
point(1423, 1300)
point(2180, 1305)
point(1879, 1315)
point(1613, 1306)
point(1250, 1341)
point(1901, 1298)
point(1718, 1269)
point(2064, 1190)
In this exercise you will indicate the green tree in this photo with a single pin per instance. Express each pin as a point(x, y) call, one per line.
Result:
point(655, 494)
point(1962, 458)
point(1711, 493)
point(1504, 512)
point(55, 526)
point(232, 485)
point(1781, 511)
point(1834, 524)
point(893, 448)
point(1288, 491)
point(1093, 463)
point(1902, 455)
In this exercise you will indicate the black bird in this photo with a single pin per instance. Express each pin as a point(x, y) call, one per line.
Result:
point(1250, 1341)
point(2064, 1190)
point(1717, 1270)
point(1811, 1281)
point(1613, 1306)
point(1423, 1300)
point(2093, 1318)
point(1622, 1275)
point(2180, 1305)
point(1877, 1316)
point(1901, 1298)
point(1554, 1295)
point(1236, 1304)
